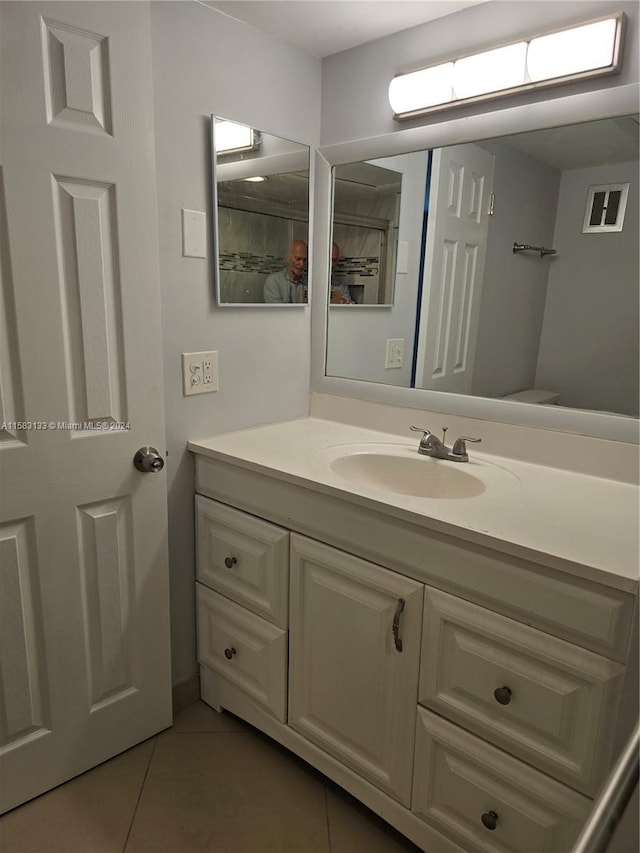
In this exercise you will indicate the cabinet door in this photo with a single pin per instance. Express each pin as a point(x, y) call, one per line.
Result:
point(352, 681)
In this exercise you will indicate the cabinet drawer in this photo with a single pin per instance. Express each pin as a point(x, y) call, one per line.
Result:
point(243, 648)
point(244, 558)
point(540, 698)
point(460, 782)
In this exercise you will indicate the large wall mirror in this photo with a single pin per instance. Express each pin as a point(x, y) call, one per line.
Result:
point(261, 216)
point(516, 272)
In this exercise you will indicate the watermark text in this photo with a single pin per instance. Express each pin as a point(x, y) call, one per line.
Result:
point(79, 426)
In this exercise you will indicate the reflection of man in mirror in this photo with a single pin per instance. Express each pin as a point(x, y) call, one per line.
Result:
point(290, 283)
point(340, 293)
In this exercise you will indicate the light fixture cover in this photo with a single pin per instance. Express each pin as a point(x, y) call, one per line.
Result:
point(427, 87)
point(231, 137)
point(491, 71)
point(590, 49)
point(572, 51)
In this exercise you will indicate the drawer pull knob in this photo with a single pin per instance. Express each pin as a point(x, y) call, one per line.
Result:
point(229, 653)
point(230, 562)
point(395, 630)
point(502, 695)
point(490, 820)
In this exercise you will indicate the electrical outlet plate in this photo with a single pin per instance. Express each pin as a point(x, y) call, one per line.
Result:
point(395, 353)
point(199, 372)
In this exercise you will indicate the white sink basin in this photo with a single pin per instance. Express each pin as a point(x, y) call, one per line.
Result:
point(400, 470)
point(403, 476)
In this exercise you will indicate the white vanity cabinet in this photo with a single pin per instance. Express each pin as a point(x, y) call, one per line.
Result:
point(468, 695)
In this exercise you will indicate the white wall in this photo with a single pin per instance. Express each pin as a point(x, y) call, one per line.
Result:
point(515, 286)
point(357, 337)
point(204, 63)
point(355, 83)
point(589, 344)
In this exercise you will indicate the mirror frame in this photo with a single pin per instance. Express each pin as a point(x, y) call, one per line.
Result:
point(214, 219)
point(590, 106)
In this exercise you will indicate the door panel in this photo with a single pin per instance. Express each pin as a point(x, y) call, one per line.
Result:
point(85, 634)
point(454, 265)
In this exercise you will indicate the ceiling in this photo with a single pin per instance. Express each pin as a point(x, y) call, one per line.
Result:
point(324, 27)
point(579, 146)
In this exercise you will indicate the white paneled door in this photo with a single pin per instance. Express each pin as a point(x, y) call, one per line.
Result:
point(459, 200)
point(84, 621)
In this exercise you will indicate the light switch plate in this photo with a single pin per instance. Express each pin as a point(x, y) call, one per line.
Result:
point(395, 353)
point(402, 257)
point(199, 372)
point(194, 234)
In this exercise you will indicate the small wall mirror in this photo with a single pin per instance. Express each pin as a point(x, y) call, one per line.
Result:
point(260, 216)
point(499, 290)
point(366, 208)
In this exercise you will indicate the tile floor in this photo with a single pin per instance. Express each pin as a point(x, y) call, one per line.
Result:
point(209, 783)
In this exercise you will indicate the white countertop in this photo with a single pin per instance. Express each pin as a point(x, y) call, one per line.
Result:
point(589, 521)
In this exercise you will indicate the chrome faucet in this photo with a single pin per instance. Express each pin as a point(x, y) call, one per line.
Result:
point(431, 445)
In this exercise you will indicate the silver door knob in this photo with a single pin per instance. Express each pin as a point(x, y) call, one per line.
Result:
point(148, 460)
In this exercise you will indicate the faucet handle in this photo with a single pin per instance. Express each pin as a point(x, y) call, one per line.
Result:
point(421, 429)
point(459, 445)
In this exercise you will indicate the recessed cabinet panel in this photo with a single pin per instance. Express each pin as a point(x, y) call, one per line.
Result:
point(243, 648)
point(244, 558)
point(544, 700)
point(485, 800)
point(352, 684)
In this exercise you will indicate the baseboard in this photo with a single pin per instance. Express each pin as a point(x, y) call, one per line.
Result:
point(185, 693)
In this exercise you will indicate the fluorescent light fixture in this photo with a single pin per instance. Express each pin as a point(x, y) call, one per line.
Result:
point(256, 179)
point(590, 49)
point(233, 138)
